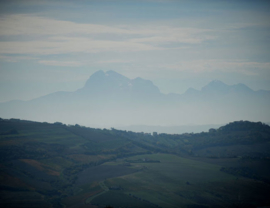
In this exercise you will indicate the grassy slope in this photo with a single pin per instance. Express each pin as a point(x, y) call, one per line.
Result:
point(181, 182)
point(170, 182)
point(42, 161)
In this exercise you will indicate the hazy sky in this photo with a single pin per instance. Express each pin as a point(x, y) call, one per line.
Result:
point(47, 46)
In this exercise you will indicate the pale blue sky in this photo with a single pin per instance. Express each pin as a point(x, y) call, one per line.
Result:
point(47, 46)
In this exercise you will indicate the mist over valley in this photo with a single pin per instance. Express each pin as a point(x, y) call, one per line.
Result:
point(109, 99)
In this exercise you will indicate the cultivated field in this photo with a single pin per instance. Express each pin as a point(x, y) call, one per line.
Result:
point(54, 165)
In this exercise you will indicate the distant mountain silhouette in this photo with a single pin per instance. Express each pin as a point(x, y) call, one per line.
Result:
point(113, 83)
point(111, 99)
point(219, 88)
point(216, 86)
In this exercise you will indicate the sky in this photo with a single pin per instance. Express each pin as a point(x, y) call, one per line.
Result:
point(49, 46)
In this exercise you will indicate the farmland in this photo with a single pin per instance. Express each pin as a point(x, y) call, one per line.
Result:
point(177, 181)
point(55, 165)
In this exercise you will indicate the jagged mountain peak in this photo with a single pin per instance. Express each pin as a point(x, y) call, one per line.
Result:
point(111, 82)
point(109, 97)
point(101, 79)
point(216, 81)
point(114, 74)
point(217, 87)
point(98, 73)
point(96, 77)
point(215, 84)
point(144, 86)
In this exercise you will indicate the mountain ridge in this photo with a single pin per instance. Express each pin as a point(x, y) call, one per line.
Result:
point(118, 80)
point(111, 99)
point(111, 82)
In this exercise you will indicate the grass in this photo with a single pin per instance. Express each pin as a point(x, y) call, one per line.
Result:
point(57, 163)
point(58, 136)
point(87, 191)
point(100, 173)
point(164, 183)
point(118, 199)
point(102, 186)
point(180, 169)
point(88, 158)
point(106, 145)
point(44, 157)
point(47, 169)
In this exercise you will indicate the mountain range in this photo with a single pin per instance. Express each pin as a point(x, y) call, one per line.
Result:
point(109, 99)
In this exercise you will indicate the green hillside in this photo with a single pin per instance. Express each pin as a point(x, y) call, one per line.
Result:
point(55, 165)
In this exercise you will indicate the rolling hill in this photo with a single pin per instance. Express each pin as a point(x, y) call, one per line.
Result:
point(55, 165)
